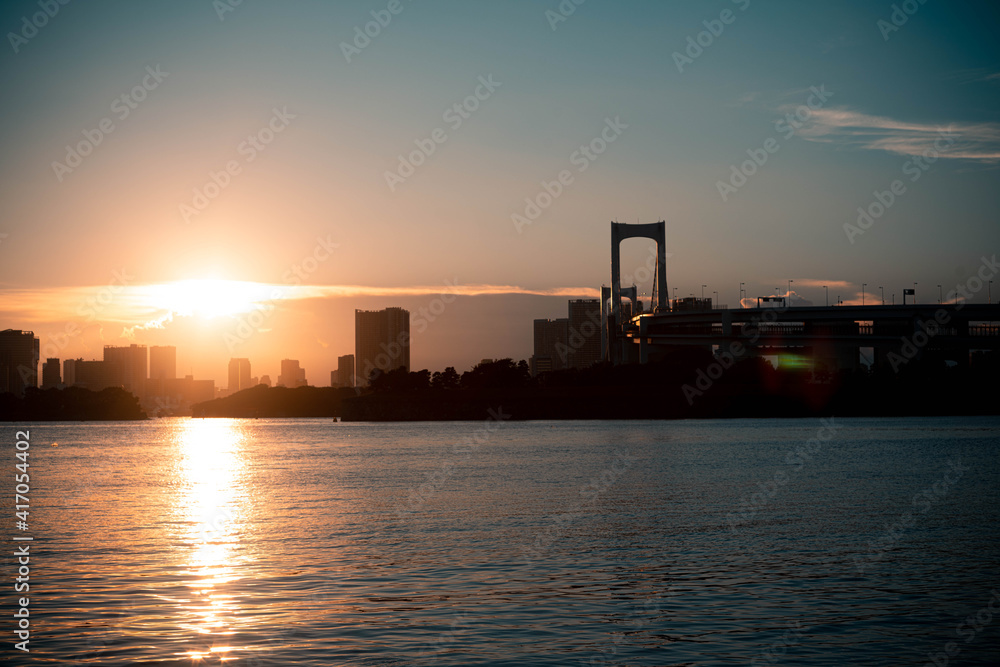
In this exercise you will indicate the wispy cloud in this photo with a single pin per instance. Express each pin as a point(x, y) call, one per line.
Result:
point(972, 141)
point(153, 306)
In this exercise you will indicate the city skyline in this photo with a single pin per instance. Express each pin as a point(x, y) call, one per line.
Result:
point(340, 177)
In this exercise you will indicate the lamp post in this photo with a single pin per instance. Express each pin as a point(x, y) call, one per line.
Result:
point(716, 293)
point(742, 293)
point(940, 294)
point(914, 294)
point(863, 286)
point(882, 291)
point(703, 292)
point(827, 291)
point(789, 295)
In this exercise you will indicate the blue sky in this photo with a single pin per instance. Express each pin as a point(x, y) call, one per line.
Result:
point(325, 174)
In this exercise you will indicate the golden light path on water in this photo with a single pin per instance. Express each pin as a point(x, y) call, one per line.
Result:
point(212, 460)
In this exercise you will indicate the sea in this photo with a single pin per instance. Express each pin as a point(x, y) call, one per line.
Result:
point(258, 542)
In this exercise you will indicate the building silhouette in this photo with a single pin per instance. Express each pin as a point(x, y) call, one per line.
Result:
point(128, 365)
point(162, 362)
point(239, 375)
point(584, 338)
point(344, 375)
point(381, 341)
point(96, 375)
point(551, 349)
point(69, 372)
point(291, 374)
point(18, 361)
point(51, 377)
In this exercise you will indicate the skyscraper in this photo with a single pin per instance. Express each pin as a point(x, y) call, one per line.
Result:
point(18, 361)
point(344, 376)
point(551, 351)
point(381, 341)
point(584, 332)
point(162, 362)
point(128, 367)
point(50, 374)
point(291, 374)
point(239, 375)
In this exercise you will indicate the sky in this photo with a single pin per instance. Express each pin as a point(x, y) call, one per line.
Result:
point(236, 178)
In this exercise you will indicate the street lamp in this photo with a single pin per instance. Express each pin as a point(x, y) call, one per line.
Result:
point(914, 294)
point(883, 294)
point(742, 293)
point(703, 292)
point(940, 294)
point(716, 293)
point(789, 295)
point(827, 295)
point(863, 286)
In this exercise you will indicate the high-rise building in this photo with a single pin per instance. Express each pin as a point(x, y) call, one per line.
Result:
point(129, 364)
point(551, 350)
point(69, 372)
point(18, 361)
point(344, 375)
point(50, 374)
point(291, 374)
point(96, 375)
point(584, 332)
point(162, 362)
point(381, 341)
point(239, 375)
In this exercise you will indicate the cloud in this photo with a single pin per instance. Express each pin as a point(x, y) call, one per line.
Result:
point(971, 141)
point(140, 307)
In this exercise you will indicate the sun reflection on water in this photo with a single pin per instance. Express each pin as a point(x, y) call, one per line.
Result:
point(211, 462)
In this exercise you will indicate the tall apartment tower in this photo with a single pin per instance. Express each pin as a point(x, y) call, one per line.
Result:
point(344, 376)
point(239, 375)
point(291, 374)
point(584, 332)
point(18, 361)
point(129, 367)
point(551, 351)
point(381, 341)
point(162, 362)
point(51, 378)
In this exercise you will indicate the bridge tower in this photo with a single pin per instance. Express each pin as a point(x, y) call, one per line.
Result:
point(656, 231)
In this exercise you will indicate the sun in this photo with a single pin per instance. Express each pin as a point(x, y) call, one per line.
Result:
point(210, 298)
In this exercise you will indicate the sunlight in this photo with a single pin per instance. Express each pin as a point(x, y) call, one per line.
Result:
point(209, 298)
point(211, 463)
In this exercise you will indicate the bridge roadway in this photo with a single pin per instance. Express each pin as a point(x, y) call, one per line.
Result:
point(834, 334)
